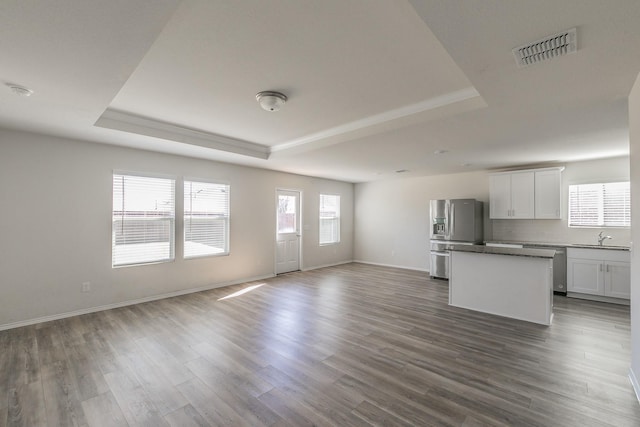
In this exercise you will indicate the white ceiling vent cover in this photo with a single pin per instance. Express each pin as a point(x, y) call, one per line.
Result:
point(549, 47)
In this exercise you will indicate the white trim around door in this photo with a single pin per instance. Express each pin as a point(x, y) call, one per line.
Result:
point(288, 230)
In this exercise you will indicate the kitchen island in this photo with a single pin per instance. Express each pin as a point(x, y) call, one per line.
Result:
point(510, 282)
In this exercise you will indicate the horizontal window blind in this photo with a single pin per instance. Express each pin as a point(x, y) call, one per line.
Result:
point(329, 219)
point(206, 219)
point(143, 225)
point(600, 205)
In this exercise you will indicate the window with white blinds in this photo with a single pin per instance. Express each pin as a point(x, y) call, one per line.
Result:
point(600, 205)
point(143, 227)
point(206, 219)
point(329, 219)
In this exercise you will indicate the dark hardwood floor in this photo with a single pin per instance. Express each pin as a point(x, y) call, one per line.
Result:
point(353, 345)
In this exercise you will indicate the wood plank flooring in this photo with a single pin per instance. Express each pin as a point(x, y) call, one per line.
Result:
point(353, 345)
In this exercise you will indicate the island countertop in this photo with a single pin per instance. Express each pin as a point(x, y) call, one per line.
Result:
point(493, 250)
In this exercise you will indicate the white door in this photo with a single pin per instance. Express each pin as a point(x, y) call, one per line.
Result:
point(287, 231)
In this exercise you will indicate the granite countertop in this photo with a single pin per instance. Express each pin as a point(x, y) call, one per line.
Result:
point(481, 249)
point(562, 245)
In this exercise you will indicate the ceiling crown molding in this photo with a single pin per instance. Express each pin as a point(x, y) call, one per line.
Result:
point(126, 122)
point(447, 104)
point(387, 120)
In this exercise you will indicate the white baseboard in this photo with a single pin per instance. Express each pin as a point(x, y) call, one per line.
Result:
point(51, 317)
point(634, 383)
point(315, 267)
point(404, 267)
point(598, 298)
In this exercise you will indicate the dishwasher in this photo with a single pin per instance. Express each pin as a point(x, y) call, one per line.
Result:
point(559, 267)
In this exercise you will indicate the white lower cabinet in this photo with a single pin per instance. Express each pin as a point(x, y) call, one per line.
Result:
point(617, 279)
point(602, 272)
point(585, 275)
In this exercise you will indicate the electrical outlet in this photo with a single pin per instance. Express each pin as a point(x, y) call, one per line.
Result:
point(86, 286)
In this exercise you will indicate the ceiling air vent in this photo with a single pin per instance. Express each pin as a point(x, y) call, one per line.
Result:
point(550, 47)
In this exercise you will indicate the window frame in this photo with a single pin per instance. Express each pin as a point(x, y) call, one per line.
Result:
point(601, 206)
point(172, 219)
point(227, 251)
point(337, 219)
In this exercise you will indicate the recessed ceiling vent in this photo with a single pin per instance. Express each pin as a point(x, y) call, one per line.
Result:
point(550, 47)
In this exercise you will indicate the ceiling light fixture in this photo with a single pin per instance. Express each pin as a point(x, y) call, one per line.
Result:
point(19, 90)
point(439, 152)
point(270, 100)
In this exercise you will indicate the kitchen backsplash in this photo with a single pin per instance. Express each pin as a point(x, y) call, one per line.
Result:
point(553, 231)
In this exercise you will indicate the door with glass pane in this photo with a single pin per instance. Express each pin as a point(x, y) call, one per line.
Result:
point(287, 231)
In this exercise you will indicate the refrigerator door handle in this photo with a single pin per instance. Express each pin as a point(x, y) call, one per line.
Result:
point(452, 220)
point(447, 220)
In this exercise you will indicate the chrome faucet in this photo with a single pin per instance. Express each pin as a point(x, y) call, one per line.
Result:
point(602, 238)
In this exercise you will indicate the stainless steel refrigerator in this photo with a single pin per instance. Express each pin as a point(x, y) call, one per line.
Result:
point(453, 221)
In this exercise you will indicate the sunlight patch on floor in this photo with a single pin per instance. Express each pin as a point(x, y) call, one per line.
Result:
point(241, 291)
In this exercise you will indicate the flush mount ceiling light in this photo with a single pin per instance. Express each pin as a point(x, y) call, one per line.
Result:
point(271, 101)
point(19, 90)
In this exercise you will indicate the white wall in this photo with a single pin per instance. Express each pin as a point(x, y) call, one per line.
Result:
point(55, 231)
point(392, 217)
point(558, 231)
point(634, 129)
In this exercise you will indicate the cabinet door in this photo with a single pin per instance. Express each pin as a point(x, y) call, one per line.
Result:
point(547, 194)
point(522, 195)
point(617, 279)
point(499, 196)
point(585, 276)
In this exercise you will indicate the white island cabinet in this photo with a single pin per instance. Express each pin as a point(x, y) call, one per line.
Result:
point(509, 282)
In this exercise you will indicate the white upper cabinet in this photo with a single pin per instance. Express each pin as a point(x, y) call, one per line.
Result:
point(500, 196)
point(529, 194)
point(522, 195)
point(547, 194)
point(511, 195)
